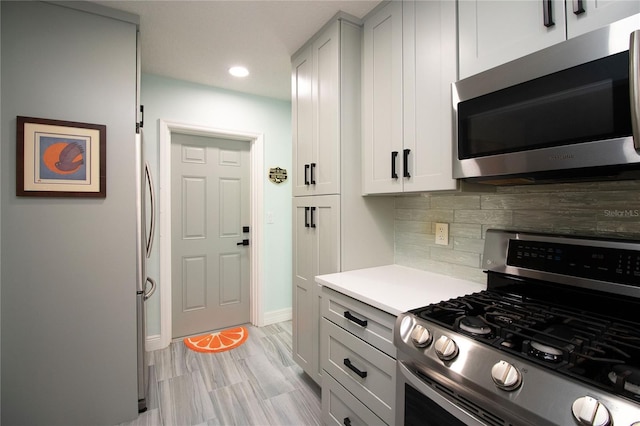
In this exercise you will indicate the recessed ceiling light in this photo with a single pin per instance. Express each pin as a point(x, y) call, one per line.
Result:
point(238, 71)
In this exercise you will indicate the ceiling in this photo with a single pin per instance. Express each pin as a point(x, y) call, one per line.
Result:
point(198, 41)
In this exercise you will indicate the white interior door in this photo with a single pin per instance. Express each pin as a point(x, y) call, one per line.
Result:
point(210, 206)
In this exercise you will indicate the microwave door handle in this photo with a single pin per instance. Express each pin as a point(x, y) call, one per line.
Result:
point(634, 86)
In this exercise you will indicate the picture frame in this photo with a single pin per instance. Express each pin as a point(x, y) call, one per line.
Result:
point(56, 158)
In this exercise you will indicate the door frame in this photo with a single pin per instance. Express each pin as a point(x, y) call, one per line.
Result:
point(256, 166)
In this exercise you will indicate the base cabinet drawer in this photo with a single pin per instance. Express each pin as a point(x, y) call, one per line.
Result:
point(340, 408)
point(367, 373)
point(368, 323)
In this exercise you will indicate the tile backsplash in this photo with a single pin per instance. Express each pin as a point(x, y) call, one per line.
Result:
point(603, 208)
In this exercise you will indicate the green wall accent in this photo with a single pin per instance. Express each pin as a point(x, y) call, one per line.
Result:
point(183, 102)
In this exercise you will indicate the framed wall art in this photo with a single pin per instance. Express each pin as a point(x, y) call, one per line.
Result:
point(61, 158)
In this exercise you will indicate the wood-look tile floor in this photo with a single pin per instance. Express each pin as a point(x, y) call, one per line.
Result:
point(255, 384)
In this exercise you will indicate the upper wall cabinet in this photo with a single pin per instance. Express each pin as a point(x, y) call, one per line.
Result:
point(493, 32)
point(409, 63)
point(316, 116)
point(587, 15)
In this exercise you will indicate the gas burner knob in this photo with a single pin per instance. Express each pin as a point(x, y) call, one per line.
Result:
point(589, 411)
point(506, 376)
point(446, 348)
point(421, 337)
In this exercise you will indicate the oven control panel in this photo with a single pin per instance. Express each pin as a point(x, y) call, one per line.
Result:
point(599, 263)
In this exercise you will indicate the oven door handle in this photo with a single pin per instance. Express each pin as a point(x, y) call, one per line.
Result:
point(409, 377)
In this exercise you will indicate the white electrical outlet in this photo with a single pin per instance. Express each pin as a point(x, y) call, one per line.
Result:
point(442, 234)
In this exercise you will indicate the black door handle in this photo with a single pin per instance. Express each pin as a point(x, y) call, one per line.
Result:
point(313, 178)
point(351, 367)
point(313, 224)
point(394, 175)
point(346, 421)
point(243, 243)
point(348, 315)
point(405, 163)
point(547, 11)
point(306, 217)
point(306, 179)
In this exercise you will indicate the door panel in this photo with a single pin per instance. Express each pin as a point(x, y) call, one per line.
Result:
point(302, 121)
point(210, 197)
point(193, 283)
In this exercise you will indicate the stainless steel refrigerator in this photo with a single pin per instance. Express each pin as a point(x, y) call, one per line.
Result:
point(145, 285)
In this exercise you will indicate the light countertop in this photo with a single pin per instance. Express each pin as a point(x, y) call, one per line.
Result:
point(396, 289)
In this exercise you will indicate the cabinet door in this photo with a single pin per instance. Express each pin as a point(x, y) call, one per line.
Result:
point(305, 322)
point(326, 104)
point(326, 219)
point(493, 32)
point(316, 250)
point(429, 64)
point(382, 101)
point(302, 120)
point(587, 15)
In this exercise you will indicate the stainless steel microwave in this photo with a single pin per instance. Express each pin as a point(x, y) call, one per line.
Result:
point(568, 112)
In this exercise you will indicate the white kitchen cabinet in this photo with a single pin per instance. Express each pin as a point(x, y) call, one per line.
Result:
point(315, 114)
point(316, 233)
point(409, 63)
point(358, 358)
point(493, 32)
point(587, 15)
point(351, 231)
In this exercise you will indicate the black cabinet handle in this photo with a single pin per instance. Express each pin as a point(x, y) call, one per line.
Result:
point(346, 421)
point(306, 217)
point(306, 179)
point(313, 178)
point(360, 373)
point(405, 163)
point(547, 10)
point(394, 175)
point(348, 315)
point(578, 7)
point(313, 224)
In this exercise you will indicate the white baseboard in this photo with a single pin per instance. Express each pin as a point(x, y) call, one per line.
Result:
point(154, 343)
point(277, 316)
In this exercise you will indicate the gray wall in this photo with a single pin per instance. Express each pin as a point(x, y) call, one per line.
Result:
point(68, 335)
point(608, 209)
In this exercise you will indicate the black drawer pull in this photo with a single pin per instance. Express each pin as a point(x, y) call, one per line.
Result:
point(306, 178)
point(346, 421)
point(350, 317)
point(362, 374)
point(306, 216)
point(313, 177)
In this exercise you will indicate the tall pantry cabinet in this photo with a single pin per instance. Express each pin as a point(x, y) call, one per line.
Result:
point(334, 228)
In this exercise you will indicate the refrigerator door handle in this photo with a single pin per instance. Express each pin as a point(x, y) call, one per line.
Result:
point(148, 294)
point(152, 195)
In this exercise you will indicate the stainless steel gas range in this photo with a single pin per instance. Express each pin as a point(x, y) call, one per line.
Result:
point(554, 340)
